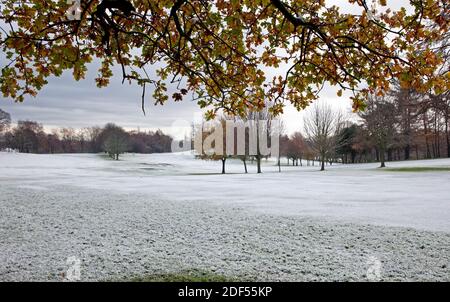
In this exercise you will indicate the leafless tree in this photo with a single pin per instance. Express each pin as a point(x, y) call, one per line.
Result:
point(94, 137)
point(296, 148)
point(380, 121)
point(5, 120)
point(408, 106)
point(281, 128)
point(263, 124)
point(241, 121)
point(322, 126)
point(212, 136)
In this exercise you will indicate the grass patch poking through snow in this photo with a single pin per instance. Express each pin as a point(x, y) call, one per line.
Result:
point(419, 169)
point(195, 276)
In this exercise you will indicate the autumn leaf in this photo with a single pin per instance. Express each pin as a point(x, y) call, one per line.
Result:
point(226, 53)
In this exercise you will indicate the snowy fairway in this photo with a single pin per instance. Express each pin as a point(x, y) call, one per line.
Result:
point(166, 213)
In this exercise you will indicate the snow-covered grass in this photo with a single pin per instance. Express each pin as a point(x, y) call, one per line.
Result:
point(420, 169)
point(169, 213)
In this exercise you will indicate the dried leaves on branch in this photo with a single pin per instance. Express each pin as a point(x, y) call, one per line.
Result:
point(227, 54)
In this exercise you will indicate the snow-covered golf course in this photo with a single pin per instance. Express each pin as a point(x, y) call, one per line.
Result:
point(170, 213)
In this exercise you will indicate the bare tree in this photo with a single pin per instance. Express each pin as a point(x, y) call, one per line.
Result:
point(243, 156)
point(439, 106)
point(25, 136)
point(263, 125)
point(296, 148)
point(446, 111)
point(5, 120)
point(407, 105)
point(280, 130)
point(68, 139)
point(212, 136)
point(380, 121)
point(347, 144)
point(322, 126)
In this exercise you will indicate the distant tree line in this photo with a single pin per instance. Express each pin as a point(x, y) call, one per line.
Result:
point(402, 125)
point(30, 137)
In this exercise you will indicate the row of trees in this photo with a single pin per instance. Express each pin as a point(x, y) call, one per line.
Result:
point(401, 125)
point(251, 146)
point(30, 137)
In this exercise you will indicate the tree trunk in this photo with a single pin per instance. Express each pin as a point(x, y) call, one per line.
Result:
point(322, 159)
point(425, 128)
point(448, 144)
point(382, 158)
point(437, 147)
point(245, 166)
point(258, 148)
point(407, 152)
point(447, 136)
point(258, 163)
point(389, 154)
point(223, 165)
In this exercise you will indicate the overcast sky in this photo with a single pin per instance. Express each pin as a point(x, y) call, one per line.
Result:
point(66, 103)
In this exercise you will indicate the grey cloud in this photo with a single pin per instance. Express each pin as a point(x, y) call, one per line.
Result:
point(67, 103)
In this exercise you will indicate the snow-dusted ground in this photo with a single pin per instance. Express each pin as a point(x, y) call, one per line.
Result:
point(168, 213)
